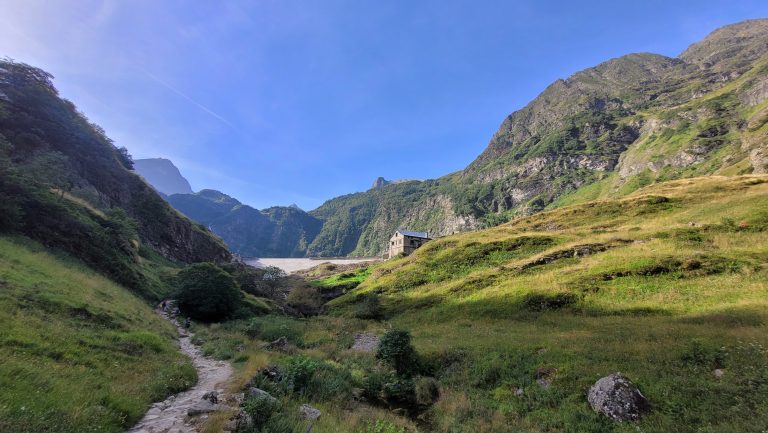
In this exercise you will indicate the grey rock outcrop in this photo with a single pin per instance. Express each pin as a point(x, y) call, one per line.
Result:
point(308, 412)
point(260, 394)
point(616, 397)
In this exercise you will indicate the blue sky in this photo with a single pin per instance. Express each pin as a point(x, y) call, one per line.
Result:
point(280, 102)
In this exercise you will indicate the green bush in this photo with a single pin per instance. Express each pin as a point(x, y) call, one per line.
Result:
point(396, 350)
point(426, 390)
point(260, 410)
point(382, 427)
point(207, 293)
point(306, 300)
point(299, 372)
point(549, 301)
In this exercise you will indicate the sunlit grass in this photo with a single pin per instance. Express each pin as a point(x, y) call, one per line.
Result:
point(77, 351)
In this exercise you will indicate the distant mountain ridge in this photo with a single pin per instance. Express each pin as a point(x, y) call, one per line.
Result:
point(279, 231)
point(601, 133)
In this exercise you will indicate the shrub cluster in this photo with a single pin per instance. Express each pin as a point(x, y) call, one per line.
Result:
point(205, 292)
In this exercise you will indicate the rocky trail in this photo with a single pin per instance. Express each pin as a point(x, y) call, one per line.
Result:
point(175, 414)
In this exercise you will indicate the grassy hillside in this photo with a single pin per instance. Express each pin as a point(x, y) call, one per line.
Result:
point(665, 285)
point(78, 353)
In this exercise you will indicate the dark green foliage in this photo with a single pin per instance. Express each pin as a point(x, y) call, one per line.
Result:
point(426, 391)
point(382, 427)
point(396, 350)
point(260, 410)
point(305, 300)
point(369, 308)
point(205, 292)
point(549, 301)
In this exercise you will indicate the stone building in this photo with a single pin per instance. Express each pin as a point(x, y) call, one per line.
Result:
point(406, 241)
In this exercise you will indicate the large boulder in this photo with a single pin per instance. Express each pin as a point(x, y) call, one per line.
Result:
point(260, 394)
point(618, 398)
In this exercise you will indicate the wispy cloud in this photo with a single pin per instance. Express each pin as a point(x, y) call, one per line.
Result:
point(185, 96)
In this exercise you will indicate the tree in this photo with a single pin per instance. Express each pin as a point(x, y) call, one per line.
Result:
point(124, 157)
point(396, 350)
point(205, 292)
point(273, 278)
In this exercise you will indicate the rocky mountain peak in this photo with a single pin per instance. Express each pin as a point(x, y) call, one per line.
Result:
point(162, 175)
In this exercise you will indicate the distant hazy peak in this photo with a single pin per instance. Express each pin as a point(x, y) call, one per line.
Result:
point(162, 175)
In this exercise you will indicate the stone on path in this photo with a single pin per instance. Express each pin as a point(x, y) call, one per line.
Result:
point(203, 407)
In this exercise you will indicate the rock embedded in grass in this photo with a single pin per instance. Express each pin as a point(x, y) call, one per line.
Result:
point(616, 397)
point(309, 413)
point(366, 342)
point(259, 394)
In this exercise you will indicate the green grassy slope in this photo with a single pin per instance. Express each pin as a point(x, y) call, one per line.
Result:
point(665, 285)
point(78, 353)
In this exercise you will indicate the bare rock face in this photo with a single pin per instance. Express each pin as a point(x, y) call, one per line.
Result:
point(618, 398)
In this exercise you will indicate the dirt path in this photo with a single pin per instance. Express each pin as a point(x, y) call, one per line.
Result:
point(170, 415)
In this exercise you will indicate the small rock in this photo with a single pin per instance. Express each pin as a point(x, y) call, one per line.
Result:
point(545, 375)
point(202, 407)
point(618, 398)
point(718, 373)
point(358, 394)
point(280, 345)
point(240, 422)
point(519, 392)
point(308, 412)
point(545, 372)
point(211, 396)
point(259, 394)
point(366, 342)
point(272, 372)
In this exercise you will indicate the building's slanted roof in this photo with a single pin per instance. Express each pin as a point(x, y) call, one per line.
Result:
point(413, 234)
